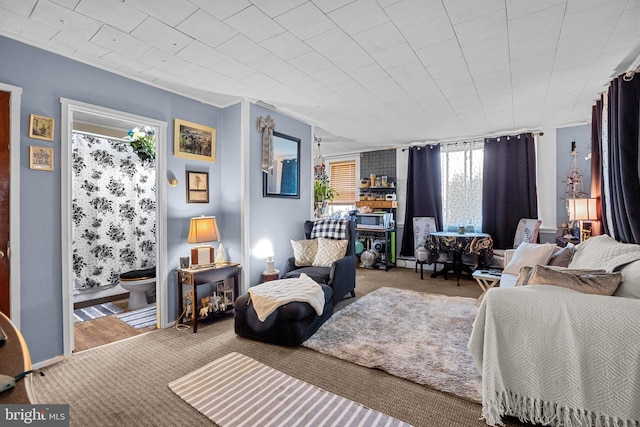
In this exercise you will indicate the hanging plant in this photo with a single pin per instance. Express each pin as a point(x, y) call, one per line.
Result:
point(143, 142)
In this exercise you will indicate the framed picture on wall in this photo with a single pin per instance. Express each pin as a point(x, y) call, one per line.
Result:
point(41, 127)
point(197, 187)
point(40, 158)
point(194, 141)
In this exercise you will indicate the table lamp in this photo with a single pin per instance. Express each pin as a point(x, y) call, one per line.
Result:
point(583, 210)
point(264, 250)
point(201, 230)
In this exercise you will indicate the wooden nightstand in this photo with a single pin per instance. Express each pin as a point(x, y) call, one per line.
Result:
point(267, 277)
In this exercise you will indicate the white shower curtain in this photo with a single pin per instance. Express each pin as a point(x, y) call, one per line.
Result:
point(114, 211)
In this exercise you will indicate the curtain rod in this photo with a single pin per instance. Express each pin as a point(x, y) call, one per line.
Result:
point(476, 139)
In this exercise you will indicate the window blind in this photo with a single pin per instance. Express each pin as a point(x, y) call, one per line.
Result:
point(342, 176)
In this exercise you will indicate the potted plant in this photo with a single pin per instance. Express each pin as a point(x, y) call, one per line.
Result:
point(322, 191)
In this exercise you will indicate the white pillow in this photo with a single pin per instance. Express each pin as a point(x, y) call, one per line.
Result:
point(329, 251)
point(529, 254)
point(630, 285)
point(304, 251)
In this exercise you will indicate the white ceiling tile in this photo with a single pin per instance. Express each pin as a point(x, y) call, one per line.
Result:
point(69, 4)
point(359, 16)
point(113, 12)
point(199, 53)
point(410, 13)
point(310, 62)
point(221, 9)
point(260, 80)
point(352, 59)
point(295, 78)
point(206, 28)
point(439, 52)
point(23, 7)
point(171, 12)
point(330, 5)
point(582, 58)
point(604, 16)
point(541, 60)
point(163, 75)
point(380, 38)
point(113, 39)
point(531, 45)
point(368, 74)
point(519, 8)
point(583, 5)
point(461, 11)
point(435, 31)
point(13, 24)
point(305, 21)
point(493, 78)
point(488, 48)
point(160, 35)
point(233, 69)
point(540, 22)
point(276, 8)
point(630, 19)
point(394, 56)
point(481, 28)
point(64, 19)
point(253, 23)
point(162, 60)
point(125, 62)
point(490, 64)
point(69, 41)
point(286, 46)
point(331, 76)
point(271, 65)
point(331, 42)
point(243, 49)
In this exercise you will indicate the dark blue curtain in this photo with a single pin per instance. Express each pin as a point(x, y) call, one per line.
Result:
point(289, 180)
point(508, 186)
point(624, 183)
point(424, 191)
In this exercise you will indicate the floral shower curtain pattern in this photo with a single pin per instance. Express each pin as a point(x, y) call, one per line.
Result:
point(114, 211)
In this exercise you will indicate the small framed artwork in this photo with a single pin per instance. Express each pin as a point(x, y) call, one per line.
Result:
point(41, 127)
point(194, 141)
point(40, 158)
point(197, 187)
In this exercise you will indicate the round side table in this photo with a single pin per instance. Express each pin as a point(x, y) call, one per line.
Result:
point(267, 277)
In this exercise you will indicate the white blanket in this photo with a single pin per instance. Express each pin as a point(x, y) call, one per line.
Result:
point(555, 356)
point(271, 295)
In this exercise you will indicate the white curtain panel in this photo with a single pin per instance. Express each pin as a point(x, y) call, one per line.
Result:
point(114, 211)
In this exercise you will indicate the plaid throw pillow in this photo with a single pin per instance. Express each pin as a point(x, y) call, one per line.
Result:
point(335, 229)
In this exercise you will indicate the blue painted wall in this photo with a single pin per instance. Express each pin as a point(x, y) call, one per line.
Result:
point(45, 78)
point(564, 161)
point(277, 219)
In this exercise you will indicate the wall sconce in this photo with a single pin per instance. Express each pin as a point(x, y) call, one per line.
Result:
point(264, 250)
point(201, 230)
point(583, 210)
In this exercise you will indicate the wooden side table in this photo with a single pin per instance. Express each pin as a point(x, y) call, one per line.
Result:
point(486, 279)
point(267, 277)
point(200, 276)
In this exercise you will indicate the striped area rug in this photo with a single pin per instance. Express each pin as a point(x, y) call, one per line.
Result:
point(269, 398)
point(94, 312)
point(140, 318)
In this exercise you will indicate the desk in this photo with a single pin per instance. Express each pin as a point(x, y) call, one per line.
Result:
point(459, 244)
point(15, 359)
point(200, 276)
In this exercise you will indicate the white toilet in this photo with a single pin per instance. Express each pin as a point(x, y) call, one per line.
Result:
point(138, 282)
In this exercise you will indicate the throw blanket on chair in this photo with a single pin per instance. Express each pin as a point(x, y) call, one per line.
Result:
point(330, 229)
point(267, 297)
point(554, 356)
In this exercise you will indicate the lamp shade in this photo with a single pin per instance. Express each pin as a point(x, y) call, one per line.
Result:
point(583, 209)
point(203, 229)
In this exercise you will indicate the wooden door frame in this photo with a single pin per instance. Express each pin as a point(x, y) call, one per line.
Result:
point(14, 200)
point(69, 107)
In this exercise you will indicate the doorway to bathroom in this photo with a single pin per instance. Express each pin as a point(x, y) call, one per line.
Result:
point(114, 216)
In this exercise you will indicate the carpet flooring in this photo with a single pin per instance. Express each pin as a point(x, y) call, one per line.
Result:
point(272, 398)
point(414, 335)
point(95, 312)
point(140, 318)
point(126, 383)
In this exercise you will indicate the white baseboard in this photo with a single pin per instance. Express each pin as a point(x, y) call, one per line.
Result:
point(49, 362)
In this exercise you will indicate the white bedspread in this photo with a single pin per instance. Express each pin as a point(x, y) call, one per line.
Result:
point(555, 356)
point(268, 296)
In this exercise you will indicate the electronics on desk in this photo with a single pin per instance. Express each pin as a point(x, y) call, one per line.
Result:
point(390, 197)
point(378, 221)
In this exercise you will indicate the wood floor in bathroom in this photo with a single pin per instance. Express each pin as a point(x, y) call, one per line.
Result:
point(105, 330)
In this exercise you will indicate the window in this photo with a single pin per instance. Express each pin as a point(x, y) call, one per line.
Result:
point(342, 176)
point(462, 184)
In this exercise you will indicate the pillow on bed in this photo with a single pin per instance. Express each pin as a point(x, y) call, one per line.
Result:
point(630, 285)
point(562, 256)
point(595, 282)
point(529, 254)
point(304, 251)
